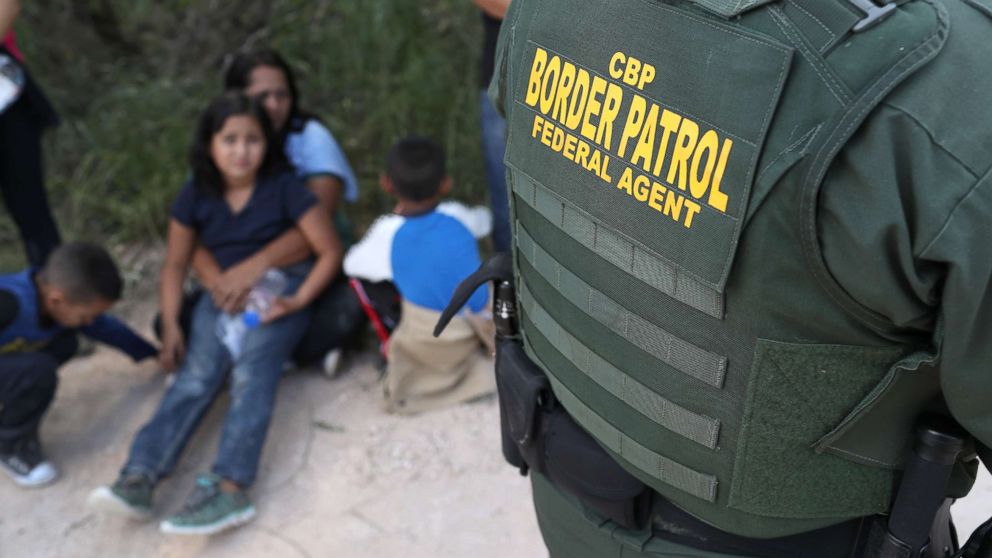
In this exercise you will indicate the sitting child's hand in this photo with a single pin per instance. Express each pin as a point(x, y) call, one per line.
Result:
point(283, 306)
point(173, 348)
point(230, 291)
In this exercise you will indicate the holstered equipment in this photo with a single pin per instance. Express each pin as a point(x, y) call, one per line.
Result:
point(921, 494)
point(537, 433)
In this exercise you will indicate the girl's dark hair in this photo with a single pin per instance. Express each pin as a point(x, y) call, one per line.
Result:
point(206, 175)
point(238, 77)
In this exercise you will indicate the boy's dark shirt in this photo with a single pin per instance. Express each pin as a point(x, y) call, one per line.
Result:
point(8, 309)
point(105, 329)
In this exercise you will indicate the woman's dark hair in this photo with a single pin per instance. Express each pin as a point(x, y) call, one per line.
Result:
point(206, 175)
point(238, 77)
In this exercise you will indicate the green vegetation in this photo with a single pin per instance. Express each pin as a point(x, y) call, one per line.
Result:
point(130, 76)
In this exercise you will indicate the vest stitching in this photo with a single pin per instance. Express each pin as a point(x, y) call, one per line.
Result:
point(980, 7)
point(806, 138)
point(858, 455)
point(818, 22)
point(837, 89)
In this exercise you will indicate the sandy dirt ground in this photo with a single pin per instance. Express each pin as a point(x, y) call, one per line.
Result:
point(339, 477)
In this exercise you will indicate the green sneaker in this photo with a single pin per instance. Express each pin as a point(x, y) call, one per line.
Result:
point(210, 510)
point(130, 496)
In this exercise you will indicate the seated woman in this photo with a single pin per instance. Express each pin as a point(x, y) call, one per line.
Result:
point(321, 164)
point(239, 200)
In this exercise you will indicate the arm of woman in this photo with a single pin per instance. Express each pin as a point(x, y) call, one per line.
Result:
point(9, 10)
point(326, 246)
point(328, 190)
point(179, 250)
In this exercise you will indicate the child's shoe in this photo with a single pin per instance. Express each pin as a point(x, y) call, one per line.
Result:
point(210, 510)
point(26, 464)
point(130, 496)
point(332, 363)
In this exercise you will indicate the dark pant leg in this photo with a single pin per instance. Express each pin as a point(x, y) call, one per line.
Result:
point(22, 183)
point(337, 321)
point(27, 387)
point(493, 148)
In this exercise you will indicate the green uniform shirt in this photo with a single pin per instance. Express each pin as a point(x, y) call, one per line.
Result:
point(906, 213)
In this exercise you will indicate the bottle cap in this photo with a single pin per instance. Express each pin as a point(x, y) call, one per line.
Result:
point(252, 319)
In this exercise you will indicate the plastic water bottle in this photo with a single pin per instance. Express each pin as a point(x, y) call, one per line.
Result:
point(233, 328)
point(11, 81)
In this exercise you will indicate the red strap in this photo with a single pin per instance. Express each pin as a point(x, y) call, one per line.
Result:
point(11, 46)
point(380, 329)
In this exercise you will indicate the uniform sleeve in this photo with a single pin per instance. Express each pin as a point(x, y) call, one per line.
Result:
point(184, 208)
point(297, 199)
point(898, 199)
point(371, 258)
point(108, 329)
point(320, 154)
point(965, 322)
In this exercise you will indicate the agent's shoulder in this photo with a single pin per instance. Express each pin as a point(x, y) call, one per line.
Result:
point(949, 96)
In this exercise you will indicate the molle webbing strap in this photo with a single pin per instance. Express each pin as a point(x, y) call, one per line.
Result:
point(678, 353)
point(657, 466)
point(824, 23)
point(624, 253)
point(700, 429)
point(730, 8)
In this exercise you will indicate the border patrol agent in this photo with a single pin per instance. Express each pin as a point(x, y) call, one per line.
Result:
point(751, 250)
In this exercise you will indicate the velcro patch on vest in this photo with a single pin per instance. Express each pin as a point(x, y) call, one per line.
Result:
point(796, 393)
point(651, 120)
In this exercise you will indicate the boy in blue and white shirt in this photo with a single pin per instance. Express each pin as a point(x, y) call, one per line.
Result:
point(427, 248)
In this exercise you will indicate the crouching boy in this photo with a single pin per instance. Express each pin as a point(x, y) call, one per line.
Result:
point(40, 311)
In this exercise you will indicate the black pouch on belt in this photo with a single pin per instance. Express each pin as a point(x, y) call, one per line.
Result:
point(537, 433)
point(577, 464)
point(524, 395)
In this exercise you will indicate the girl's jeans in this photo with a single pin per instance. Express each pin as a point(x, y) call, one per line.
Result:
point(254, 379)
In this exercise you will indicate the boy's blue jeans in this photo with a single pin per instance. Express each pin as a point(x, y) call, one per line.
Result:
point(254, 380)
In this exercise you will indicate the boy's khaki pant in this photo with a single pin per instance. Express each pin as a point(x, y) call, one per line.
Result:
point(426, 372)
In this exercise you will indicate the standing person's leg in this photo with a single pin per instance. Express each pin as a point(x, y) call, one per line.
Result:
point(493, 147)
point(219, 500)
point(27, 387)
point(337, 319)
point(22, 182)
point(158, 445)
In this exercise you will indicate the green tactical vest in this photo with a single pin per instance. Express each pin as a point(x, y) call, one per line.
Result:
point(664, 159)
